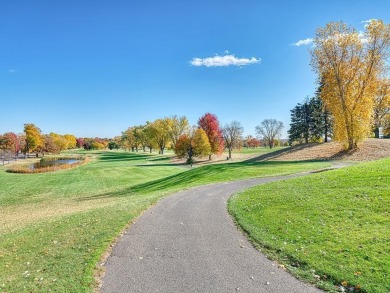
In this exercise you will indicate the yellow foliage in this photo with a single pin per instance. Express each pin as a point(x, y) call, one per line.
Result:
point(350, 65)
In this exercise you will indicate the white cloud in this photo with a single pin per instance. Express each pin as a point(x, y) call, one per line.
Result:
point(368, 21)
point(227, 60)
point(304, 42)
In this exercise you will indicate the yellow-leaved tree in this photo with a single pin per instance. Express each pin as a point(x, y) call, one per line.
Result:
point(33, 138)
point(382, 108)
point(350, 64)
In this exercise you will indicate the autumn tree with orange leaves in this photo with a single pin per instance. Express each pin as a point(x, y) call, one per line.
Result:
point(194, 143)
point(210, 124)
point(350, 64)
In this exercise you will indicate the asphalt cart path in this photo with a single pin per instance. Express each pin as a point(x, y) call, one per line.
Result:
point(189, 243)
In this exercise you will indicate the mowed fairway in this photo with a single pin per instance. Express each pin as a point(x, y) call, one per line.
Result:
point(330, 228)
point(54, 227)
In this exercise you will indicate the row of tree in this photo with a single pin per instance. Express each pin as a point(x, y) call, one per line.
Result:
point(33, 140)
point(204, 139)
point(207, 138)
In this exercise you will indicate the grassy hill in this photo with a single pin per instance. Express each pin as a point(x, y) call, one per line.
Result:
point(331, 228)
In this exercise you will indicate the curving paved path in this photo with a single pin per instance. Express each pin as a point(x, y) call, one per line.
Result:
point(189, 243)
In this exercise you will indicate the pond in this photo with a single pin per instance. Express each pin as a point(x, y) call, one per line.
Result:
point(47, 163)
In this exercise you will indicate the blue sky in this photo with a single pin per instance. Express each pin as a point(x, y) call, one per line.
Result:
point(94, 68)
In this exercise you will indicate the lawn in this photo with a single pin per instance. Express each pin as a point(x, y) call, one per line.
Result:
point(332, 228)
point(55, 226)
point(257, 151)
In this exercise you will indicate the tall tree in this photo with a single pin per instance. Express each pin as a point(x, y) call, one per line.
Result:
point(195, 143)
point(301, 121)
point(309, 121)
point(322, 115)
point(350, 64)
point(381, 115)
point(148, 134)
point(9, 141)
point(34, 139)
point(128, 140)
point(71, 141)
point(210, 124)
point(49, 145)
point(179, 126)
point(232, 134)
point(160, 130)
point(138, 136)
point(269, 130)
point(60, 141)
point(80, 142)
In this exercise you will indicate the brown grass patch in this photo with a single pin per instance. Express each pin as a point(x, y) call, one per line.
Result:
point(14, 218)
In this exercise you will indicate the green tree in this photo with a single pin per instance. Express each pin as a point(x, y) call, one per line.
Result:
point(309, 122)
point(113, 145)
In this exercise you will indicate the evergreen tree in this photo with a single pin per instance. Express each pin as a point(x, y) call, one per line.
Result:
point(309, 121)
point(300, 123)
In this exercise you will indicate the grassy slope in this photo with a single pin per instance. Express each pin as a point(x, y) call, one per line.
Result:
point(332, 226)
point(55, 226)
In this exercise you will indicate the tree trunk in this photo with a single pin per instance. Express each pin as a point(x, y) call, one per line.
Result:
point(326, 127)
point(230, 153)
point(210, 157)
point(376, 131)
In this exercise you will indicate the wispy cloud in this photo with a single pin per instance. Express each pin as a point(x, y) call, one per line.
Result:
point(368, 21)
point(304, 42)
point(361, 35)
point(227, 60)
point(12, 70)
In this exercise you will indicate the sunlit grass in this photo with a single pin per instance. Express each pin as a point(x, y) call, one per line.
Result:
point(55, 226)
point(330, 228)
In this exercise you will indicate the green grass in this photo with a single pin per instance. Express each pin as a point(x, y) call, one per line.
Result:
point(329, 228)
point(55, 226)
point(257, 151)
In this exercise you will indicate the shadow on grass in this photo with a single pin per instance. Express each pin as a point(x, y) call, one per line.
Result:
point(202, 175)
point(109, 157)
point(158, 159)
